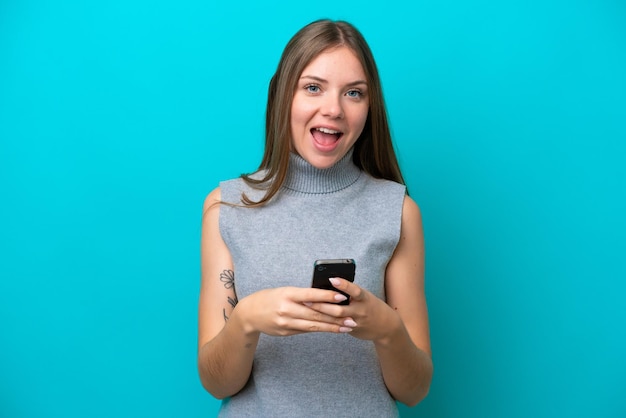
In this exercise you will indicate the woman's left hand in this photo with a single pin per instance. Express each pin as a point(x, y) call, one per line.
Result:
point(374, 318)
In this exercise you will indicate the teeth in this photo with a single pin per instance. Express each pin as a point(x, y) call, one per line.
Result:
point(328, 131)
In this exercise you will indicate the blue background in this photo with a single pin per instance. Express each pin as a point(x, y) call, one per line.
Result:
point(116, 119)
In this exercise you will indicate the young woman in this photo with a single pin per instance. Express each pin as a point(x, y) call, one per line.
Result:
point(328, 187)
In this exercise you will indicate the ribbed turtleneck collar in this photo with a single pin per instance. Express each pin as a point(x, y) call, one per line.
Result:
point(303, 177)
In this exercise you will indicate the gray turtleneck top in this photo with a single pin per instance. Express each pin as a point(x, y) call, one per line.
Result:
point(339, 212)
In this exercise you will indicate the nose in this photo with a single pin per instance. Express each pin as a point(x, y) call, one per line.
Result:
point(332, 107)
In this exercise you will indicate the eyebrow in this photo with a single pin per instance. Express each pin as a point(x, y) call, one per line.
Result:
point(321, 80)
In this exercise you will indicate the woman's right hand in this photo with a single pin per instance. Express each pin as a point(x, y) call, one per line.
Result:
point(283, 311)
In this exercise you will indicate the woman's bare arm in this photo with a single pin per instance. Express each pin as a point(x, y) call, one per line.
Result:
point(225, 349)
point(405, 353)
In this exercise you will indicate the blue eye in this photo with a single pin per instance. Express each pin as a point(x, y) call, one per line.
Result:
point(354, 93)
point(312, 88)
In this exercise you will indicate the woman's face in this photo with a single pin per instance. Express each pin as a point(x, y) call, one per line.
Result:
point(330, 107)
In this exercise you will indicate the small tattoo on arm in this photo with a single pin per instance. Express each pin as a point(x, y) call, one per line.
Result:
point(228, 278)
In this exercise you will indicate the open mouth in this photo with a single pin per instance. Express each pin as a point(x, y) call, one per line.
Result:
point(326, 137)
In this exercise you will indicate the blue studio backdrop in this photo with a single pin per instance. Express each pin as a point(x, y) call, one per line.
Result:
point(117, 118)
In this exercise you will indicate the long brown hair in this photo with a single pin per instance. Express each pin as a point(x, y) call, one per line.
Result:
point(373, 151)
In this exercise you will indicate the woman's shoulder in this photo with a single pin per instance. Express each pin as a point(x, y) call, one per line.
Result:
point(212, 198)
point(240, 181)
point(231, 190)
point(383, 185)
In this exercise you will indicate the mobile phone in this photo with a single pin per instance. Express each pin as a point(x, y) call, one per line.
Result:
point(325, 269)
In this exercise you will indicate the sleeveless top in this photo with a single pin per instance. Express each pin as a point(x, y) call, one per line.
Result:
point(339, 212)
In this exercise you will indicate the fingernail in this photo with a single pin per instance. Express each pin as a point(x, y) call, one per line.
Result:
point(349, 323)
point(334, 281)
point(345, 329)
point(340, 298)
point(309, 304)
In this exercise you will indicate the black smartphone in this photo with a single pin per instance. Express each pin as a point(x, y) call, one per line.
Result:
point(325, 269)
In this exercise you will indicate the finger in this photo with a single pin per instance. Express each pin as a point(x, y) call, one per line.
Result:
point(303, 325)
point(355, 292)
point(322, 312)
point(316, 295)
point(301, 318)
point(331, 309)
